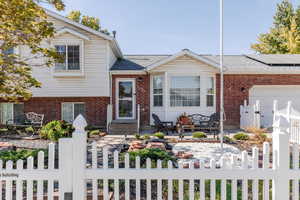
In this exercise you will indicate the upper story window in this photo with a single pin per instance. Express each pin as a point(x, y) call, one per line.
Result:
point(71, 57)
point(158, 91)
point(185, 91)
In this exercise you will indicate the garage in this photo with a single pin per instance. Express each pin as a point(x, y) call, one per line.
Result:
point(267, 94)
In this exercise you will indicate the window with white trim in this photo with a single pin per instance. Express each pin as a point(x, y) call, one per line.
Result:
point(157, 91)
point(71, 110)
point(70, 55)
point(12, 113)
point(210, 93)
point(185, 91)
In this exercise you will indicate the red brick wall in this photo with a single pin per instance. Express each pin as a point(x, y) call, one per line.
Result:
point(142, 94)
point(234, 96)
point(51, 107)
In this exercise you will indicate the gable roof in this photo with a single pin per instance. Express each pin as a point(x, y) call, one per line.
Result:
point(73, 32)
point(113, 41)
point(184, 52)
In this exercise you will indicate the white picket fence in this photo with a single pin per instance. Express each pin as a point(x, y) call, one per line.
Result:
point(250, 115)
point(80, 175)
point(293, 119)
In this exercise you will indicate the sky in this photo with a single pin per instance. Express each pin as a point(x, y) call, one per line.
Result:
point(168, 26)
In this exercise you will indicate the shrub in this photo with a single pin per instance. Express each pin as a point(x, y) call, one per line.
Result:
point(29, 129)
point(56, 129)
point(241, 136)
point(159, 135)
point(199, 135)
point(153, 153)
point(3, 130)
point(18, 155)
point(94, 132)
point(146, 137)
point(228, 139)
point(137, 136)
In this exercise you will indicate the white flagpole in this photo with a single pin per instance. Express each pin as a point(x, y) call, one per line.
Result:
point(221, 77)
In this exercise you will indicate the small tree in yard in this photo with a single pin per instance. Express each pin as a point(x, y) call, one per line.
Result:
point(23, 23)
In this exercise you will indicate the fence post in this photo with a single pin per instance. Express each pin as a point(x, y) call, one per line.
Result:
point(65, 146)
point(281, 158)
point(79, 154)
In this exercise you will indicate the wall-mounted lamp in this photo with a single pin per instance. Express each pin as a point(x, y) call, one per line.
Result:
point(243, 89)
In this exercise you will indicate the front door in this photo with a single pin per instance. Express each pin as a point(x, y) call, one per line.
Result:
point(125, 99)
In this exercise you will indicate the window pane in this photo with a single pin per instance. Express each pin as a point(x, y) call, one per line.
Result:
point(157, 85)
point(157, 91)
point(185, 91)
point(73, 57)
point(19, 117)
point(79, 108)
point(61, 50)
point(67, 112)
point(211, 86)
point(157, 100)
point(209, 100)
point(125, 89)
point(6, 113)
point(125, 108)
point(8, 51)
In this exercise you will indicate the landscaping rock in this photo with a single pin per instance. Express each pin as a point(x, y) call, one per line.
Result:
point(156, 145)
point(5, 146)
point(136, 145)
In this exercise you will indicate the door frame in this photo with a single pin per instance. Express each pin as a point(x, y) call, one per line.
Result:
point(133, 97)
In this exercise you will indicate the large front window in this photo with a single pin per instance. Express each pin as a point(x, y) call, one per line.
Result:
point(12, 113)
point(185, 91)
point(71, 110)
point(70, 57)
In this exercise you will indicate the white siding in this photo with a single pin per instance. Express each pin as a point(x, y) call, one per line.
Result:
point(111, 57)
point(183, 66)
point(94, 82)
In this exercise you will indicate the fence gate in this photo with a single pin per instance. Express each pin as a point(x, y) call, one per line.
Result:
point(250, 115)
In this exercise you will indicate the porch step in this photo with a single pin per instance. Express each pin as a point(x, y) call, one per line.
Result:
point(123, 127)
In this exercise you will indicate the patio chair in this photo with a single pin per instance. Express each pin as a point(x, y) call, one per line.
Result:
point(162, 126)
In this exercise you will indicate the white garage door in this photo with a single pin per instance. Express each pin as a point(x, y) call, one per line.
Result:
point(267, 94)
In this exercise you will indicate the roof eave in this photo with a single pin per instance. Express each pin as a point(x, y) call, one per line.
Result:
point(115, 45)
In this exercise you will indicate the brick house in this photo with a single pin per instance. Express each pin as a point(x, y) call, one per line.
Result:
point(96, 74)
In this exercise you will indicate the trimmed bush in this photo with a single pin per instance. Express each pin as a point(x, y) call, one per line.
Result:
point(29, 129)
point(153, 153)
point(199, 135)
point(228, 139)
point(19, 155)
point(159, 135)
point(146, 137)
point(56, 129)
point(138, 136)
point(241, 136)
point(94, 132)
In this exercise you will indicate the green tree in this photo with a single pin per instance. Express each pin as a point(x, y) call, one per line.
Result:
point(92, 22)
point(283, 37)
point(23, 23)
